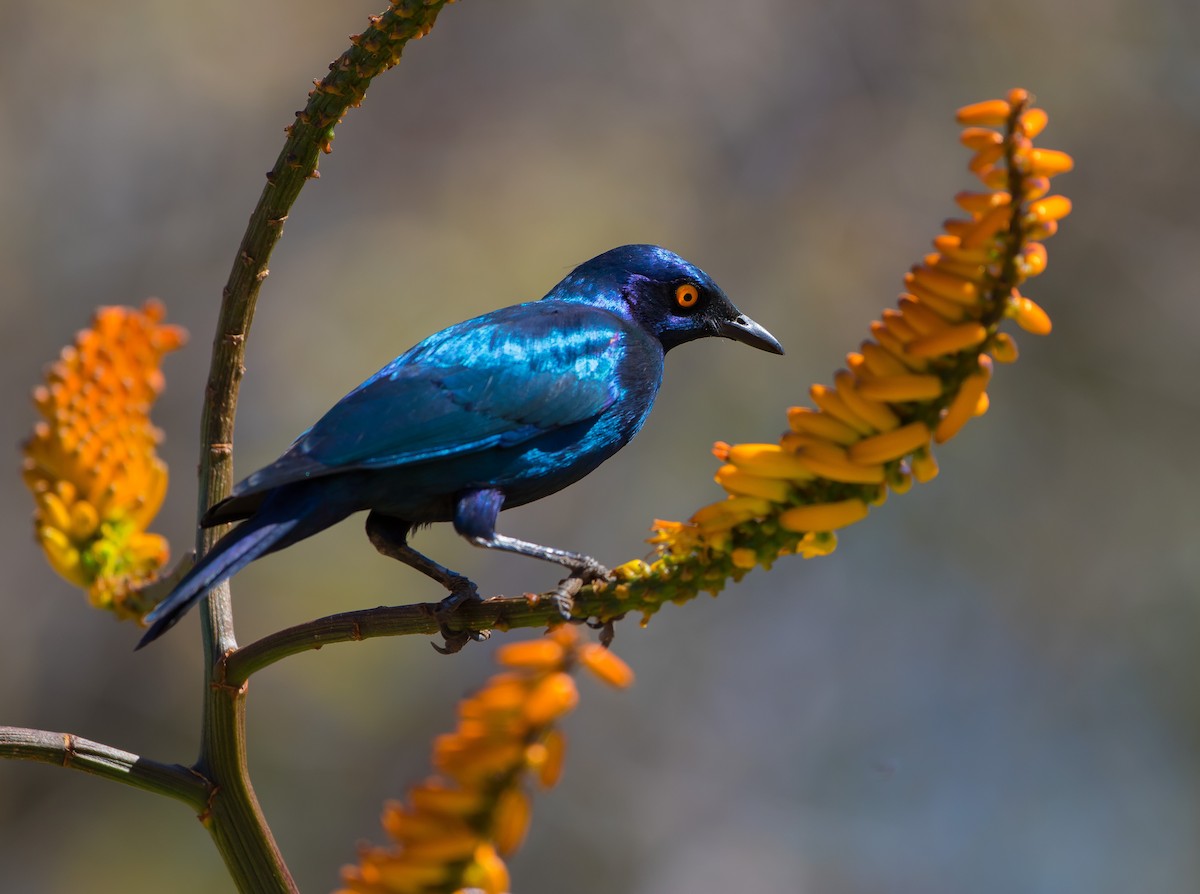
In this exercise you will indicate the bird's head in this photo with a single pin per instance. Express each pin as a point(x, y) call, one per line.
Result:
point(673, 300)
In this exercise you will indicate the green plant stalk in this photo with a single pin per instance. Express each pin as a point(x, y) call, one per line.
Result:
point(233, 816)
point(76, 753)
point(603, 605)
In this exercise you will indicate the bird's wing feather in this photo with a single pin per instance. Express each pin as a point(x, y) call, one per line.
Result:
point(498, 380)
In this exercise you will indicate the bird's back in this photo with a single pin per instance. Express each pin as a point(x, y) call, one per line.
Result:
point(529, 398)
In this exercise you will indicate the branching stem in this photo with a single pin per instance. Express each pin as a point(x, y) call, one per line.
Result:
point(233, 816)
point(77, 753)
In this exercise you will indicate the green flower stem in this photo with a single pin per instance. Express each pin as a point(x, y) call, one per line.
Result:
point(401, 620)
point(233, 816)
point(674, 582)
point(76, 753)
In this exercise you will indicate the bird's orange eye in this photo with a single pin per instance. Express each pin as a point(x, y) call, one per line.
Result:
point(687, 295)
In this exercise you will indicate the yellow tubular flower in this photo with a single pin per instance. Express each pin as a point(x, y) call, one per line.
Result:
point(551, 699)
point(948, 310)
point(917, 380)
point(605, 665)
point(878, 414)
point(454, 827)
point(832, 404)
point(804, 420)
point(1050, 208)
point(895, 323)
point(832, 462)
point(921, 316)
point(487, 872)
point(890, 445)
point(924, 466)
point(1049, 162)
point(979, 137)
point(1003, 348)
point(979, 202)
point(513, 810)
point(945, 285)
point(742, 483)
point(879, 362)
point(767, 461)
point(743, 558)
point(735, 509)
point(1032, 122)
point(894, 346)
point(823, 516)
point(950, 340)
point(1029, 316)
point(534, 654)
point(546, 757)
point(91, 462)
point(990, 113)
point(1032, 260)
point(962, 408)
point(985, 229)
point(898, 389)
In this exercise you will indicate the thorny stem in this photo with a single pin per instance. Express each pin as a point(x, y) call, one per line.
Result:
point(497, 613)
point(233, 816)
point(218, 785)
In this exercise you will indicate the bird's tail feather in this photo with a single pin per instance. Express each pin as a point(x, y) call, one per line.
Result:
point(232, 553)
point(282, 522)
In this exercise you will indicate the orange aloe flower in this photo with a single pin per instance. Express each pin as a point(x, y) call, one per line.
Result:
point(914, 383)
point(455, 827)
point(91, 464)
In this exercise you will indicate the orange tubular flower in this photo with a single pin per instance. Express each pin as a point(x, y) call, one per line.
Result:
point(91, 463)
point(919, 378)
point(455, 827)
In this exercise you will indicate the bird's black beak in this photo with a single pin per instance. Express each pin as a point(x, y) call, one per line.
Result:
point(742, 328)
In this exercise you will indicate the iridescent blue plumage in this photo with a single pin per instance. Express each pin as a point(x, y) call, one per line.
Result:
point(487, 414)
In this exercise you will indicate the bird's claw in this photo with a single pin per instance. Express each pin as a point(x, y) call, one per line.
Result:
point(607, 631)
point(587, 571)
point(463, 592)
point(456, 639)
point(563, 597)
point(590, 570)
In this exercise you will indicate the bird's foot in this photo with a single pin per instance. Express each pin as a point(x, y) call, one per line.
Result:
point(585, 572)
point(590, 570)
point(461, 591)
point(563, 596)
point(607, 631)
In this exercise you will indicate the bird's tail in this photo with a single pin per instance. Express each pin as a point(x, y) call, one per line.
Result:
point(280, 523)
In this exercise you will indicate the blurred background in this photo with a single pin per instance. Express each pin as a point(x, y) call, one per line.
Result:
point(993, 685)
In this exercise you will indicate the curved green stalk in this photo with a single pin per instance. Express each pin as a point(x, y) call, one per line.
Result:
point(233, 816)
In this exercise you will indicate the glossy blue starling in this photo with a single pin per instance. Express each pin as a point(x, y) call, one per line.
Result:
point(488, 414)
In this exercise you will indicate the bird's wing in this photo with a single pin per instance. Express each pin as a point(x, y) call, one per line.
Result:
point(498, 380)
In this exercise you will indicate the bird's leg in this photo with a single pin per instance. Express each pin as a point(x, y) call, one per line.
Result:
point(584, 569)
point(475, 519)
point(390, 536)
